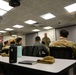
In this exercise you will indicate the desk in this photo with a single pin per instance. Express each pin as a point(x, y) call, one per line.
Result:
point(60, 66)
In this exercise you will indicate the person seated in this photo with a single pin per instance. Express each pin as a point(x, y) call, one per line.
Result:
point(63, 42)
point(44, 48)
point(19, 41)
point(6, 47)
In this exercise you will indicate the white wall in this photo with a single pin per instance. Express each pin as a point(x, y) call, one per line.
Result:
point(50, 34)
point(5, 38)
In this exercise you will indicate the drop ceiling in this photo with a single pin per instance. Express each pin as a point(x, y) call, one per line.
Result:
point(33, 9)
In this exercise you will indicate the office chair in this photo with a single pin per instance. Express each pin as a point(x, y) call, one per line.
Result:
point(61, 52)
point(5, 50)
point(27, 50)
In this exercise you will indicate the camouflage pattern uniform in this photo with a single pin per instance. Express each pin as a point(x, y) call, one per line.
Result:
point(46, 40)
point(63, 42)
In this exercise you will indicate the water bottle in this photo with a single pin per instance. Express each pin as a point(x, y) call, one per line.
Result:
point(19, 51)
point(13, 54)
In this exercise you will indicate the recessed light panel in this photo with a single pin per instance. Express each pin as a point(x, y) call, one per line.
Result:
point(48, 27)
point(18, 26)
point(35, 30)
point(47, 16)
point(30, 22)
point(71, 8)
point(9, 29)
point(14, 35)
point(2, 12)
point(1, 31)
point(5, 5)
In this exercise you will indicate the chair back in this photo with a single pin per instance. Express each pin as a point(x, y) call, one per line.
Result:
point(61, 52)
point(33, 51)
point(27, 50)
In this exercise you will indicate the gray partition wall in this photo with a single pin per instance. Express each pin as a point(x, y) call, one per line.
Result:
point(72, 33)
point(30, 38)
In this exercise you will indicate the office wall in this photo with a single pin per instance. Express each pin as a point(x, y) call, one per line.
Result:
point(30, 39)
point(72, 33)
point(5, 38)
point(50, 34)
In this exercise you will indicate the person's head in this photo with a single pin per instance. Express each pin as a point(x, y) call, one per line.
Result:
point(12, 42)
point(6, 43)
point(37, 38)
point(64, 33)
point(45, 34)
point(19, 40)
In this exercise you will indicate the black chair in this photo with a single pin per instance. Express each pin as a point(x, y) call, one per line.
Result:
point(61, 52)
point(27, 50)
point(5, 50)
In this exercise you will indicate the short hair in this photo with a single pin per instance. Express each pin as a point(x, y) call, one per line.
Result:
point(12, 42)
point(64, 33)
point(18, 40)
point(37, 38)
point(5, 42)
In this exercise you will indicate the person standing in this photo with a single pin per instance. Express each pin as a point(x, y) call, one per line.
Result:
point(46, 40)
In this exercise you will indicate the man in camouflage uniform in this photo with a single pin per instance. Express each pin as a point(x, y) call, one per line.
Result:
point(46, 40)
point(63, 42)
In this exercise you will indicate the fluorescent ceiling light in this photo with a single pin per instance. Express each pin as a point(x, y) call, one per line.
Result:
point(47, 16)
point(5, 5)
point(71, 8)
point(19, 36)
point(18, 26)
point(1, 31)
point(47, 27)
point(2, 12)
point(9, 29)
point(14, 35)
point(35, 30)
point(30, 22)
